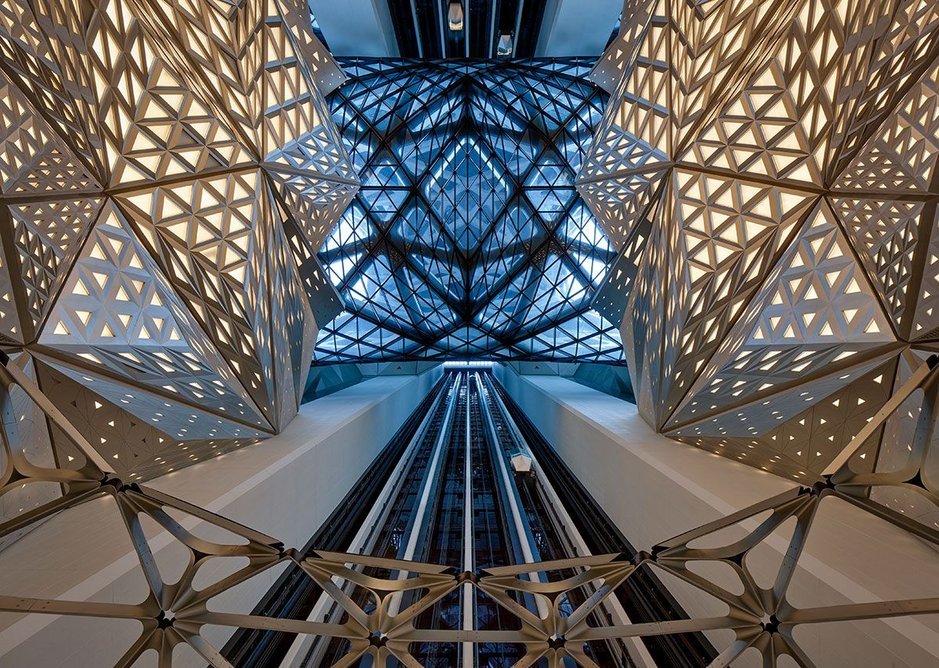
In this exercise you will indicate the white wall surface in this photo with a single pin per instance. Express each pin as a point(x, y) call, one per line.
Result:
point(356, 27)
point(285, 487)
point(578, 27)
point(654, 488)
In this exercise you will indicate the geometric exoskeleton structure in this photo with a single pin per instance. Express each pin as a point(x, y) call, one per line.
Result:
point(167, 174)
point(781, 160)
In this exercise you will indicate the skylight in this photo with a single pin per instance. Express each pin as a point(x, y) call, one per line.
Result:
point(468, 238)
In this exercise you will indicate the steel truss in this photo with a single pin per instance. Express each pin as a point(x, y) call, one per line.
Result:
point(761, 618)
point(467, 238)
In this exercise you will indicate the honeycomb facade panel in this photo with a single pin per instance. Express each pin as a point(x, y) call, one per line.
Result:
point(815, 310)
point(620, 204)
point(154, 127)
point(118, 311)
point(922, 315)
point(793, 432)
point(35, 158)
point(900, 156)
point(38, 42)
point(818, 120)
point(11, 331)
point(903, 52)
point(606, 73)
point(182, 420)
point(885, 234)
point(899, 429)
point(729, 232)
point(47, 237)
point(136, 445)
point(323, 68)
point(641, 328)
point(144, 241)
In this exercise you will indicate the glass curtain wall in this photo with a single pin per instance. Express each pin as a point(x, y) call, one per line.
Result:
point(468, 238)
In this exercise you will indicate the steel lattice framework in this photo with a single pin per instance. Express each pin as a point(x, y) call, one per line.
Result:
point(468, 238)
point(167, 172)
point(768, 170)
point(176, 609)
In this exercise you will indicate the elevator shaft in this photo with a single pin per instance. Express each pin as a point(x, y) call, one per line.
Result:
point(466, 494)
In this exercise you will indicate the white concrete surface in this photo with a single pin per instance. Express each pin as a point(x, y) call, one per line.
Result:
point(577, 27)
point(356, 27)
point(285, 487)
point(655, 488)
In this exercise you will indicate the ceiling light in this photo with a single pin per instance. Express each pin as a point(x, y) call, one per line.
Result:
point(505, 44)
point(455, 16)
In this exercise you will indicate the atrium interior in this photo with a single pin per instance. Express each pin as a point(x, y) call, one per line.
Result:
point(457, 333)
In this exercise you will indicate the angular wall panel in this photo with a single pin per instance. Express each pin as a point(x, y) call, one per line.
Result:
point(143, 241)
point(818, 119)
point(118, 311)
point(48, 236)
point(141, 437)
point(33, 159)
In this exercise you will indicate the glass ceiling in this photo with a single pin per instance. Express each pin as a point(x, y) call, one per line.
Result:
point(467, 238)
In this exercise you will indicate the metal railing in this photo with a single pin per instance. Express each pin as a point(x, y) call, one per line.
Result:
point(760, 618)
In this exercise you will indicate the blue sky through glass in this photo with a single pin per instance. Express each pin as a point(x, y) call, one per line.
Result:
point(467, 238)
